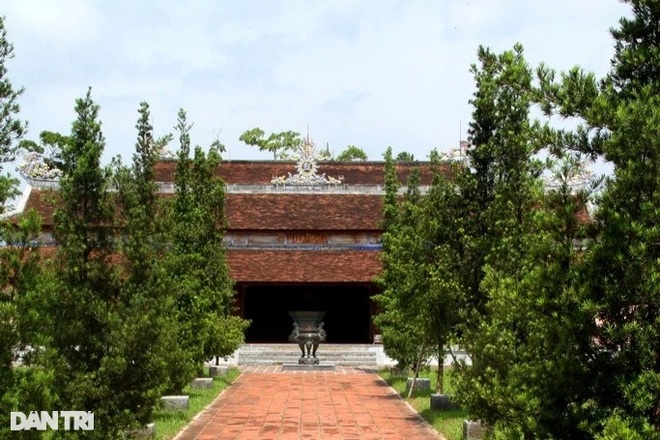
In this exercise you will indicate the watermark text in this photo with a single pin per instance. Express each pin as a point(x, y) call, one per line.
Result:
point(43, 420)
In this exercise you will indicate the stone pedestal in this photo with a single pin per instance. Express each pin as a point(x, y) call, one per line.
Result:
point(322, 366)
point(473, 430)
point(218, 370)
point(175, 402)
point(201, 383)
point(442, 402)
point(421, 383)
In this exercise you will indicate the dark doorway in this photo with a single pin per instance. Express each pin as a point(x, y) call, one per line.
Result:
point(346, 308)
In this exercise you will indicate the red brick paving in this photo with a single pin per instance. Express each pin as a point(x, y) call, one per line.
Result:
point(347, 404)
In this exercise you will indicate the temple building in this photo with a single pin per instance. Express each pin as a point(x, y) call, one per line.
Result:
point(302, 235)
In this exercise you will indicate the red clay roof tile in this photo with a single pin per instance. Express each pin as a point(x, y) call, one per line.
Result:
point(262, 172)
point(290, 266)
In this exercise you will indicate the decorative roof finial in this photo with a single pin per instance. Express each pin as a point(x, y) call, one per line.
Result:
point(307, 158)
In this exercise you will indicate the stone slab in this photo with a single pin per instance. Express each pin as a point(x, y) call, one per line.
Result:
point(421, 383)
point(473, 430)
point(175, 402)
point(442, 402)
point(201, 383)
point(323, 366)
point(218, 370)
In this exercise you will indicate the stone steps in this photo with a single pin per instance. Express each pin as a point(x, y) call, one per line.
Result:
point(355, 355)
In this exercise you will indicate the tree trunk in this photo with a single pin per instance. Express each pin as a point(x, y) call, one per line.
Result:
point(417, 365)
point(439, 385)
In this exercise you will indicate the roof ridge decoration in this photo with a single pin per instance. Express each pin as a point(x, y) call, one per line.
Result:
point(307, 158)
point(36, 170)
point(575, 173)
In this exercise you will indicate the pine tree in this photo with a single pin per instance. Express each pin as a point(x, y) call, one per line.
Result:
point(197, 261)
point(11, 128)
point(83, 303)
point(401, 334)
point(624, 261)
point(20, 388)
point(442, 229)
point(146, 333)
point(502, 192)
point(621, 119)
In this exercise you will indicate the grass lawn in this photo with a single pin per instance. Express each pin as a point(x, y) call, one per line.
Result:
point(169, 423)
point(448, 423)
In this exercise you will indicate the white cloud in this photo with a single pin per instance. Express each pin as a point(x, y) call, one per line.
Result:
point(366, 73)
point(61, 22)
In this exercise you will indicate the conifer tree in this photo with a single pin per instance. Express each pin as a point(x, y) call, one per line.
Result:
point(401, 338)
point(621, 117)
point(502, 193)
point(624, 261)
point(442, 226)
point(146, 334)
point(197, 262)
point(11, 128)
point(20, 388)
point(83, 304)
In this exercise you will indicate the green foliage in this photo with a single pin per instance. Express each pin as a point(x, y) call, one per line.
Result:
point(197, 262)
point(528, 334)
point(620, 279)
point(636, 62)
point(617, 427)
point(11, 128)
point(144, 340)
point(51, 146)
point(227, 335)
point(280, 144)
point(449, 423)
point(398, 332)
point(19, 270)
point(85, 331)
point(20, 388)
point(352, 153)
point(169, 423)
point(420, 291)
point(391, 184)
point(404, 156)
point(30, 390)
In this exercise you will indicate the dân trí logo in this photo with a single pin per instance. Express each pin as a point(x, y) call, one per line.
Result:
point(43, 420)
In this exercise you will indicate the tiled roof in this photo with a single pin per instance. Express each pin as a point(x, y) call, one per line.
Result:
point(288, 266)
point(262, 172)
point(304, 211)
point(274, 211)
point(42, 201)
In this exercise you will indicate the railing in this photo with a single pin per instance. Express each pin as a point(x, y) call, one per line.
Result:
point(305, 247)
point(50, 242)
point(232, 188)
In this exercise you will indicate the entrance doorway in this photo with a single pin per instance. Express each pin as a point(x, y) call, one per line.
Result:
point(346, 307)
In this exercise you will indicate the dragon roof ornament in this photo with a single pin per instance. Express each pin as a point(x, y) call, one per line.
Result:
point(307, 158)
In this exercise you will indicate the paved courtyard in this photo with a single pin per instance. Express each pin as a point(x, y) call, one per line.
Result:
point(346, 404)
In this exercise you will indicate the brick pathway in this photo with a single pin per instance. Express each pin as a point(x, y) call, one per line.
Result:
point(350, 403)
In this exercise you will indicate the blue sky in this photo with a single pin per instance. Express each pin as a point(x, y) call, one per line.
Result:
point(369, 73)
